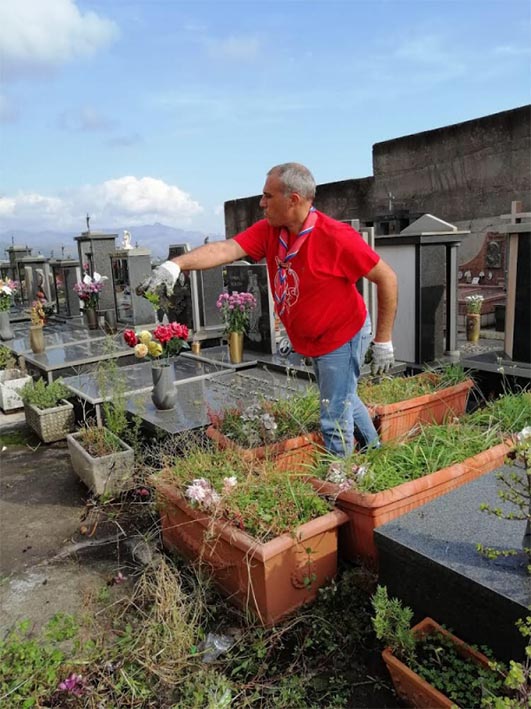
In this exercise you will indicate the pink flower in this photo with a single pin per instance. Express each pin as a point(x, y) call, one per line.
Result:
point(73, 684)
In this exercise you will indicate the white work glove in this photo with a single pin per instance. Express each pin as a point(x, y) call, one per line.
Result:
point(163, 277)
point(381, 357)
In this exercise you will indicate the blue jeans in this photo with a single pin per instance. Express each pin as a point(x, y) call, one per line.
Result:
point(343, 414)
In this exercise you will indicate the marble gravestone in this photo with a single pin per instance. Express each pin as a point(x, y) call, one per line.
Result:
point(260, 336)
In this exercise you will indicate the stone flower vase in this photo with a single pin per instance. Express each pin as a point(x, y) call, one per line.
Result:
point(91, 318)
point(164, 394)
point(36, 337)
point(6, 333)
point(473, 323)
point(236, 347)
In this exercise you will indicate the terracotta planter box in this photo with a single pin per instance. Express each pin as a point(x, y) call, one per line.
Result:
point(109, 474)
point(51, 424)
point(366, 511)
point(410, 687)
point(294, 454)
point(11, 381)
point(396, 420)
point(271, 579)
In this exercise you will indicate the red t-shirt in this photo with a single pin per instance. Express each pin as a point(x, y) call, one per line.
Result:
point(326, 308)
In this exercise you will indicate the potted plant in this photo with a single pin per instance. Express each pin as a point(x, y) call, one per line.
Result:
point(101, 460)
point(399, 404)
point(269, 558)
point(8, 288)
point(12, 379)
point(473, 304)
point(235, 309)
point(285, 430)
point(384, 483)
point(46, 409)
point(88, 291)
point(429, 666)
point(38, 319)
point(166, 340)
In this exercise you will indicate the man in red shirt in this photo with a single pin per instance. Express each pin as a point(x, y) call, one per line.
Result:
point(313, 262)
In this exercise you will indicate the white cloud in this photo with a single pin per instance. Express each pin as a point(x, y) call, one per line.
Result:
point(39, 35)
point(126, 200)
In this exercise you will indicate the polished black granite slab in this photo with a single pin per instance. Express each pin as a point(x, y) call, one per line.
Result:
point(220, 355)
point(428, 558)
point(137, 377)
point(55, 335)
point(497, 361)
point(214, 393)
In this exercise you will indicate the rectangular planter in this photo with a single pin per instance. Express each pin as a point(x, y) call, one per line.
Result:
point(271, 579)
point(11, 381)
point(366, 511)
point(51, 424)
point(109, 474)
point(293, 455)
point(396, 420)
point(410, 687)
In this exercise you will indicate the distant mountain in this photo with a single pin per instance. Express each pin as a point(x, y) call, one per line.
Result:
point(156, 237)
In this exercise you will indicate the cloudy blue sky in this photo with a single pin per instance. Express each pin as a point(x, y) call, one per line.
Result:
point(142, 111)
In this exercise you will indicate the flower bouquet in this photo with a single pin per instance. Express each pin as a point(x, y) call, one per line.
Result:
point(474, 303)
point(37, 314)
point(89, 289)
point(236, 309)
point(7, 289)
point(166, 340)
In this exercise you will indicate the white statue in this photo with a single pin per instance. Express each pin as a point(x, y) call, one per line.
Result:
point(126, 240)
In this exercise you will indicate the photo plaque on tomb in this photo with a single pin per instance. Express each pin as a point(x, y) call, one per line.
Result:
point(254, 279)
point(129, 268)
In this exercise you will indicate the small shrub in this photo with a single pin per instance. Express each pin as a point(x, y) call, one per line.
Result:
point(42, 395)
point(7, 360)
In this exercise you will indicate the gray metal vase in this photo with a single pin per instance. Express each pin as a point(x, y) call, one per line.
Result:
point(6, 333)
point(164, 394)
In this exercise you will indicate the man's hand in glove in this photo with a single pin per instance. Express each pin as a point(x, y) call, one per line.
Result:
point(163, 277)
point(381, 357)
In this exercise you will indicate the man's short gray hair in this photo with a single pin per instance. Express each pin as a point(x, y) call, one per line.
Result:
point(295, 178)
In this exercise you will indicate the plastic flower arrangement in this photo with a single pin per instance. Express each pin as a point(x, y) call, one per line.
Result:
point(89, 289)
point(8, 288)
point(37, 314)
point(166, 340)
point(474, 303)
point(235, 309)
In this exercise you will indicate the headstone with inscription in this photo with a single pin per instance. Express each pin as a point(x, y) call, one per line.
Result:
point(260, 336)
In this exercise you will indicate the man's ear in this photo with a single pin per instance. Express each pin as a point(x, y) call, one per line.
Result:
point(294, 199)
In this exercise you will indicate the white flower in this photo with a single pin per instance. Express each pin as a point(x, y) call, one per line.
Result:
point(524, 435)
point(229, 484)
point(87, 280)
point(202, 492)
point(98, 278)
point(7, 290)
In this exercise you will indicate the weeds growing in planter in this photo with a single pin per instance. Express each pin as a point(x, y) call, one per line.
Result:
point(264, 421)
point(7, 359)
point(388, 390)
point(221, 483)
point(435, 447)
point(511, 412)
point(98, 441)
point(434, 657)
point(43, 395)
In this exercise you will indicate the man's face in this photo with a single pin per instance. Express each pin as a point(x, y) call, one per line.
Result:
point(276, 205)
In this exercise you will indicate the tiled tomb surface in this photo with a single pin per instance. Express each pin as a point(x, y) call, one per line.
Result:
point(214, 393)
point(428, 558)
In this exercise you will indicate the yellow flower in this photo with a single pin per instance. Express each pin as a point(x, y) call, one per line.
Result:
point(140, 350)
point(145, 337)
point(154, 349)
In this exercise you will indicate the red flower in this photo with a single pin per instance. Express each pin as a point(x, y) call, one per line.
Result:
point(178, 330)
point(130, 338)
point(163, 333)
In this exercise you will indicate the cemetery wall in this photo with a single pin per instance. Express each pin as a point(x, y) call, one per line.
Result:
point(463, 172)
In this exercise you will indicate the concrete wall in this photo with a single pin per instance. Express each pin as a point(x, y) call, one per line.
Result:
point(461, 173)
